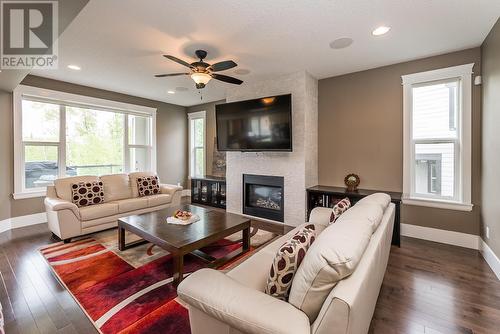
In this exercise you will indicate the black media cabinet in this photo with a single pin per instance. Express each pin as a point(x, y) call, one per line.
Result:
point(327, 196)
point(209, 190)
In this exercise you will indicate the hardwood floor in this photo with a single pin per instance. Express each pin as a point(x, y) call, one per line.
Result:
point(428, 288)
point(435, 288)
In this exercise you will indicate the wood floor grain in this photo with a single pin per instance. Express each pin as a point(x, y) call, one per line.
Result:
point(428, 288)
point(435, 288)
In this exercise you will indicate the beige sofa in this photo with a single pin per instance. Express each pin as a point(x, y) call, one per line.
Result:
point(234, 302)
point(121, 198)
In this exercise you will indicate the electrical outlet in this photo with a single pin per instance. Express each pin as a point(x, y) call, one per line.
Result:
point(487, 232)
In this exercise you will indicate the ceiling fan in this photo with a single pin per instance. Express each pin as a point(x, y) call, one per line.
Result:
point(202, 72)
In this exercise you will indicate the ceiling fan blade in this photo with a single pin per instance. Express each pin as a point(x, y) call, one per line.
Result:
point(223, 65)
point(226, 78)
point(179, 61)
point(170, 75)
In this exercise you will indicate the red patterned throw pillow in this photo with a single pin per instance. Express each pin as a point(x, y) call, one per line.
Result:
point(339, 209)
point(87, 193)
point(287, 261)
point(148, 185)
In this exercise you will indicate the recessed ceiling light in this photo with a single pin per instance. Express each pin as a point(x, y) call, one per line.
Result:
point(242, 71)
point(382, 30)
point(171, 92)
point(74, 67)
point(341, 43)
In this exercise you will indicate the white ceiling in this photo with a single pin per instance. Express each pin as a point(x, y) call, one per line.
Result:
point(119, 43)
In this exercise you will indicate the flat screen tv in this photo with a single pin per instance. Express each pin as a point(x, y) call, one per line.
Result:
point(263, 124)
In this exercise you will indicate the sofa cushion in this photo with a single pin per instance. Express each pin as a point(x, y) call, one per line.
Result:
point(287, 261)
point(132, 204)
point(254, 271)
point(160, 199)
point(333, 256)
point(133, 181)
point(148, 185)
point(370, 213)
point(87, 193)
point(381, 199)
point(339, 208)
point(116, 187)
point(63, 185)
point(98, 211)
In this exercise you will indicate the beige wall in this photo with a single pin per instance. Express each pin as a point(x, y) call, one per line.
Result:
point(490, 211)
point(171, 129)
point(209, 108)
point(361, 131)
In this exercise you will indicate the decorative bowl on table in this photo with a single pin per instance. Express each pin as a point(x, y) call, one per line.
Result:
point(183, 218)
point(183, 215)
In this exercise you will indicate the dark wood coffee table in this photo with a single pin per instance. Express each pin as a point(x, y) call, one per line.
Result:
point(180, 240)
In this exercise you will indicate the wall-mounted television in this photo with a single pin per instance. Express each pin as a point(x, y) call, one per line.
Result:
point(263, 124)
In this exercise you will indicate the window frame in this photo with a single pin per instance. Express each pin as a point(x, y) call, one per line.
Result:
point(64, 99)
point(191, 117)
point(462, 143)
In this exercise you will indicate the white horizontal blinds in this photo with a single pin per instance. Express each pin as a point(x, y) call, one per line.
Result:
point(435, 139)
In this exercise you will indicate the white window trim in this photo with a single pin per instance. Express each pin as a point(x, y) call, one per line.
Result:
point(464, 73)
point(192, 116)
point(68, 99)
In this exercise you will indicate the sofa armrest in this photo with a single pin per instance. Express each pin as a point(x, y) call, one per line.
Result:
point(241, 307)
point(321, 215)
point(57, 204)
point(169, 189)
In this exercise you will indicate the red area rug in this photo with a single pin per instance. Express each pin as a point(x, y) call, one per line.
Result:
point(121, 296)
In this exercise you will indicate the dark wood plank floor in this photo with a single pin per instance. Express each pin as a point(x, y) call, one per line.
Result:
point(428, 288)
point(435, 288)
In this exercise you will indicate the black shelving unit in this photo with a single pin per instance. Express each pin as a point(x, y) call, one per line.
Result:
point(327, 196)
point(209, 190)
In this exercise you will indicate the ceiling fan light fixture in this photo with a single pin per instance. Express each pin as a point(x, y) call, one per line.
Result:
point(201, 78)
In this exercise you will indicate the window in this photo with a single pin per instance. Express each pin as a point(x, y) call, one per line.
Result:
point(437, 138)
point(197, 143)
point(58, 134)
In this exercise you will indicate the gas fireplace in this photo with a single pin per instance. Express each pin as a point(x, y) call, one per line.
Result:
point(263, 196)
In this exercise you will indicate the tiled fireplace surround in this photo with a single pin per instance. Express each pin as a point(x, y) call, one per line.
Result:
point(298, 168)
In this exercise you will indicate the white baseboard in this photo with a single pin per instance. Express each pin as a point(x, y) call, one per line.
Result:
point(5, 225)
point(186, 192)
point(490, 257)
point(442, 236)
point(22, 221)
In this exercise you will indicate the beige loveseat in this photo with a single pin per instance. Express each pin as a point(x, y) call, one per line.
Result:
point(121, 198)
point(353, 252)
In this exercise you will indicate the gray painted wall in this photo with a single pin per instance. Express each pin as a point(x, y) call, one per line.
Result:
point(490, 164)
point(361, 131)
